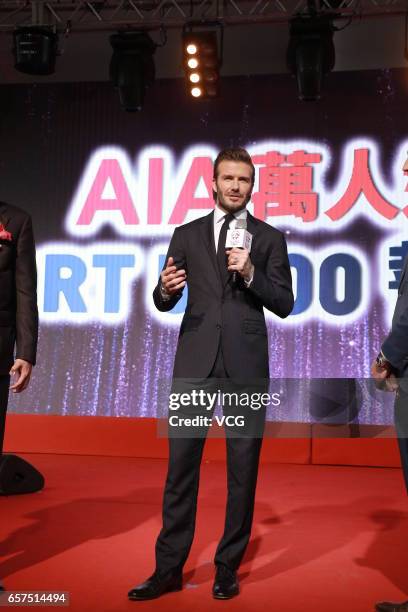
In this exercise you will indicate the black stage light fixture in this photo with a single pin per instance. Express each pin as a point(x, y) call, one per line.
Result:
point(132, 68)
point(35, 49)
point(201, 64)
point(311, 54)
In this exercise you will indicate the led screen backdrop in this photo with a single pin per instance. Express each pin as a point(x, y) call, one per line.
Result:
point(106, 189)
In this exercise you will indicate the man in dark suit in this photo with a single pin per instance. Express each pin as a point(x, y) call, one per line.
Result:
point(390, 371)
point(18, 304)
point(223, 335)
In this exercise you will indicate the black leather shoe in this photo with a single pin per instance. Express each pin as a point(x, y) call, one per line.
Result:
point(389, 606)
point(155, 586)
point(226, 583)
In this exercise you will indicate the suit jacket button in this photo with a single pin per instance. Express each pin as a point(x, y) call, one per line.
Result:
point(218, 326)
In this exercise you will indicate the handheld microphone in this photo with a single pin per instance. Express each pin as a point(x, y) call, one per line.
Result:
point(239, 238)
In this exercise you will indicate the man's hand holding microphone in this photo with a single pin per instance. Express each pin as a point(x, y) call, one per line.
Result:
point(239, 262)
point(238, 247)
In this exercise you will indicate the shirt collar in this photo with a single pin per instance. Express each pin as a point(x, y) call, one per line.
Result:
point(220, 214)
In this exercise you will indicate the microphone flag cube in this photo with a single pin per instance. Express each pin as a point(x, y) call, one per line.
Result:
point(238, 238)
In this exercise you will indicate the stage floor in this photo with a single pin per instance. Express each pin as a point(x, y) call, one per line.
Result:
point(324, 538)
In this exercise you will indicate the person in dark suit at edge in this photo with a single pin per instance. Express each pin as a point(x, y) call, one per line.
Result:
point(223, 335)
point(18, 305)
point(390, 371)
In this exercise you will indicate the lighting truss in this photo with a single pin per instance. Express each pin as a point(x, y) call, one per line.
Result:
point(94, 15)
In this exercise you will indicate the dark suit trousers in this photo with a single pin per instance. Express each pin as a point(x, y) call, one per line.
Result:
point(4, 391)
point(401, 426)
point(180, 497)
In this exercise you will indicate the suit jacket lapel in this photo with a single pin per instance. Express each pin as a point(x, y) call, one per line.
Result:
point(403, 271)
point(252, 224)
point(207, 235)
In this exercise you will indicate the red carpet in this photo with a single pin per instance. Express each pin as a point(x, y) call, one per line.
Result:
point(325, 539)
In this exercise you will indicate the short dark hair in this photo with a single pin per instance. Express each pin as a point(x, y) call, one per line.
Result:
point(237, 154)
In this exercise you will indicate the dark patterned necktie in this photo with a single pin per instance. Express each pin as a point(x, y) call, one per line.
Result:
point(221, 256)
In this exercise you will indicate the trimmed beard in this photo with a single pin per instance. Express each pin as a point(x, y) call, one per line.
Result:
point(220, 201)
